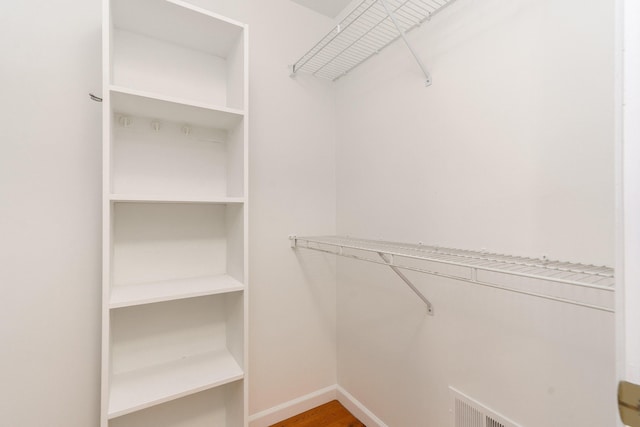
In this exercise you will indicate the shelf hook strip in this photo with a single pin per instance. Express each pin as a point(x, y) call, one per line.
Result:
point(406, 41)
point(389, 262)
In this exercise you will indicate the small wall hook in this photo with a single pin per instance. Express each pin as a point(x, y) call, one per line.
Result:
point(125, 121)
point(155, 125)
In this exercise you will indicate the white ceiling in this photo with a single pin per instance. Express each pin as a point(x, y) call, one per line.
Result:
point(331, 8)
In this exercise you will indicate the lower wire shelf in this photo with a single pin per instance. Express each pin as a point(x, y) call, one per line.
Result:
point(583, 285)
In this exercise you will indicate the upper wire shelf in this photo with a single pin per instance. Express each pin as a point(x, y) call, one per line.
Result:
point(369, 28)
point(583, 285)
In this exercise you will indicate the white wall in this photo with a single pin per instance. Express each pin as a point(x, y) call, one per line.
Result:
point(514, 136)
point(50, 184)
point(511, 149)
point(292, 190)
point(50, 214)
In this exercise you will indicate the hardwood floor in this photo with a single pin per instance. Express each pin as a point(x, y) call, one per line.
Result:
point(331, 414)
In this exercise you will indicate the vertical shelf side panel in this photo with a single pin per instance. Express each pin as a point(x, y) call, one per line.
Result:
point(236, 164)
point(236, 404)
point(236, 303)
point(235, 73)
point(235, 333)
point(234, 218)
point(241, 408)
point(107, 235)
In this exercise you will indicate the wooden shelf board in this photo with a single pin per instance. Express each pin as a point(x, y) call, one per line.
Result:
point(178, 22)
point(141, 198)
point(169, 290)
point(140, 103)
point(143, 388)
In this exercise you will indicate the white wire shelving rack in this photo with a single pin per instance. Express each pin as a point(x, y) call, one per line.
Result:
point(369, 28)
point(583, 285)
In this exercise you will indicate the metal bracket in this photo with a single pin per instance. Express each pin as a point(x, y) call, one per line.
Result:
point(629, 403)
point(389, 262)
point(406, 41)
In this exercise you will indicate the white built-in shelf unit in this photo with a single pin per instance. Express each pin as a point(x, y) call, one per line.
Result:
point(589, 286)
point(370, 27)
point(175, 216)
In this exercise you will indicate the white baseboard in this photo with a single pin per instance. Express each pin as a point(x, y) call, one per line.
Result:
point(360, 411)
point(310, 401)
point(293, 407)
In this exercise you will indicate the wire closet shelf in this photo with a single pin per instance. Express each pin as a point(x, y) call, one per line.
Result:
point(369, 28)
point(583, 285)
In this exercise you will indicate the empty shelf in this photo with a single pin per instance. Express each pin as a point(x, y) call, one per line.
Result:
point(363, 33)
point(168, 290)
point(161, 107)
point(143, 388)
point(512, 273)
point(179, 23)
point(133, 198)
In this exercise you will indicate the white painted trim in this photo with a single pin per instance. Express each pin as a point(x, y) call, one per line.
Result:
point(309, 401)
point(106, 213)
point(360, 411)
point(631, 187)
point(627, 191)
point(294, 407)
point(619, 198)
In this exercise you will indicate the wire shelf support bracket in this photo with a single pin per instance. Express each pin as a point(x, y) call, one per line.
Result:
point(406, 41)
point(388, 259)
point(363, 33)
point(582, 285)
